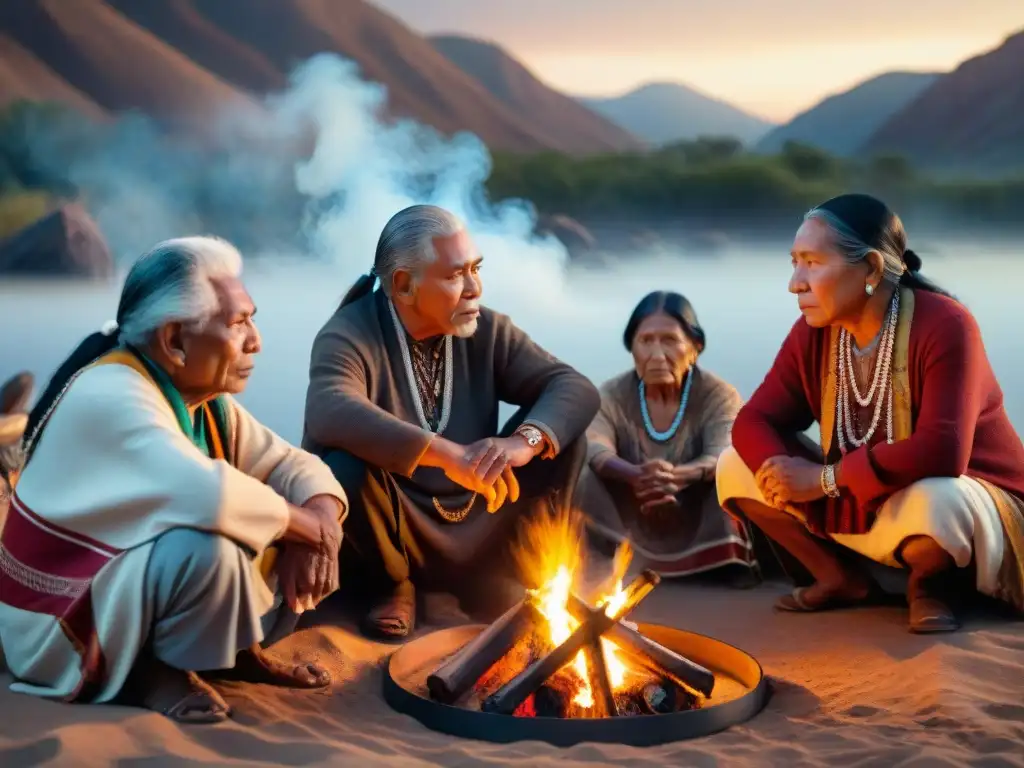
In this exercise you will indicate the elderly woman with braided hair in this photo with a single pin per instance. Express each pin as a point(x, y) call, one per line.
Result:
point(919, 466)
point(158, 534)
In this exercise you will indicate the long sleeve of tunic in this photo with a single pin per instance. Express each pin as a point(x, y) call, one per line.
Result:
point(360, 400)
point(960, 425)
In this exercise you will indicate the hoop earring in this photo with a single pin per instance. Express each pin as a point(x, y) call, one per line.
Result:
point(869, 289)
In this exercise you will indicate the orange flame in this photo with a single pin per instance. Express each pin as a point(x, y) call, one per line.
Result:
point(550, 558)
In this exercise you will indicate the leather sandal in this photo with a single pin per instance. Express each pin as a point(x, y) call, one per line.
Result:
point(929, 615)
point(181, 696)
point(394, 618)
point(797, 602)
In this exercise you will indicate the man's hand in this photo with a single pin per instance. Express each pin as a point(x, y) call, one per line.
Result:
point(308, 573)
point(485, 467)
point(786, 480)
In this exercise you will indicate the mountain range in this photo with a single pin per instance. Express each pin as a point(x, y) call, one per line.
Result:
point(842, 122)
point(176, 60)
point(665, 112)
point(971, 120)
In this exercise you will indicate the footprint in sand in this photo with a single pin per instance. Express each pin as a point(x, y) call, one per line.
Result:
point(861, 710)
point(1012, 712)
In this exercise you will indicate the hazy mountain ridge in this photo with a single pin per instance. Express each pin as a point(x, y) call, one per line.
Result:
point(970, 120)
point(843, 122)
point(557, 116)
point(663, 113)
point(178, 61)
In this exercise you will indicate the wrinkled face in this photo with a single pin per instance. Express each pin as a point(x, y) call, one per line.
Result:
point(218, 358)
point(829, 289)
point(662, 352)
point(446, 298)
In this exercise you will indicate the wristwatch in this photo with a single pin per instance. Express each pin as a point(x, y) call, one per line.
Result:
point(532, 435)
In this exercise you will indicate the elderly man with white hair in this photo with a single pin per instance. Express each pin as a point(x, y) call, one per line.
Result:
point(157, 530)
point(404, 391)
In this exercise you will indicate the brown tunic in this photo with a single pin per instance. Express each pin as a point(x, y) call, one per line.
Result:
point(360, 402)
point(675, 541)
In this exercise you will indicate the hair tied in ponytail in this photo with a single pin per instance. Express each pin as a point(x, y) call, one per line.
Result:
point(912, 261)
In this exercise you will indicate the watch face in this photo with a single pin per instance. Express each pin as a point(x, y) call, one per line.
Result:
point(532, 436)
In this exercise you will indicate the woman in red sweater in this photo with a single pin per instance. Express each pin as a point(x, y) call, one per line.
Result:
point(918, 466)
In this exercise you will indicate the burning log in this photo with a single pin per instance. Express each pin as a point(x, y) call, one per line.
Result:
point(638, 589)
point(652, 655)
point(550, 701)
point(461, 672)
point(595, 623)
point(662, 698)
point(597, 665)
point(517, 690)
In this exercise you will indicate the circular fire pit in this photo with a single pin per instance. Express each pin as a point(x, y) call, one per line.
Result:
point(741, 691)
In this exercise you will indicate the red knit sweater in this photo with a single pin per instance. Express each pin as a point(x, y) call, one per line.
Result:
point(960, 425)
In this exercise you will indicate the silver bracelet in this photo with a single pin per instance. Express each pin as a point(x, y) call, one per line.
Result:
point(828, 481)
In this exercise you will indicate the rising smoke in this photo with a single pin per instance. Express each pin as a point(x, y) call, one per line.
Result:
point(316, 176)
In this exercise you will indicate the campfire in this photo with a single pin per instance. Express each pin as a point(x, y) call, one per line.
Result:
point(562, 654)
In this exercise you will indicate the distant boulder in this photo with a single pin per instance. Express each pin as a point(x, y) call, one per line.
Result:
point(576, 238)
point(66, 242)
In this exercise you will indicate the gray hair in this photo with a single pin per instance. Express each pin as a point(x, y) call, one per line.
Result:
point(406, 242)
point(853, 248)
point(173, 282)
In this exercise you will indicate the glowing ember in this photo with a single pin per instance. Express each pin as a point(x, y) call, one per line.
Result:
point(550, 558)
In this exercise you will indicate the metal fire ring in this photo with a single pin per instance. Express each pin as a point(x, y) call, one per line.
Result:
point(741, 691)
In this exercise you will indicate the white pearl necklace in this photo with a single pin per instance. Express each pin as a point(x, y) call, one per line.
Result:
point(654, 434)
point(880, 392)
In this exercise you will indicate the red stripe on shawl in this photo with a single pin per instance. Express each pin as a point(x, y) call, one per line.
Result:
point(60, 540)
point(61, 557)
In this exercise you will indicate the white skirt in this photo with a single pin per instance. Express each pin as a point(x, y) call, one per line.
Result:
point(957, 512)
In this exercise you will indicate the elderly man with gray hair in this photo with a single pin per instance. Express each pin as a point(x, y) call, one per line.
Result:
point(403, 399)
point(157, 530)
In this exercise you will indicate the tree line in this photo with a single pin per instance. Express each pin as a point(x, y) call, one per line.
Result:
point(717, 179)
point(711, 180)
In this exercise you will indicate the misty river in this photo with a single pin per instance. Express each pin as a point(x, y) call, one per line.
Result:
point(578, 314)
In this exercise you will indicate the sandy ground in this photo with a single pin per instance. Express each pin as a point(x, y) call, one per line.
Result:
point(850, 688)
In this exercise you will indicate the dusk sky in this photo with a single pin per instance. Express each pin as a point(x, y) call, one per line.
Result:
point(771, 57)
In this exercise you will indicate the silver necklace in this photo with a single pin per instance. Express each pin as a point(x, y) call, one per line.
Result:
point(880, 392)
point(669, 433)
point(451, 515)
point(410, 375)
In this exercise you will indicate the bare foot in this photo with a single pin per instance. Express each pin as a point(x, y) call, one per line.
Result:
point(181, 696)
point(254, 665)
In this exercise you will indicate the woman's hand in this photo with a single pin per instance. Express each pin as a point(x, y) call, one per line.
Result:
point(656, 483)
point(786, 480)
